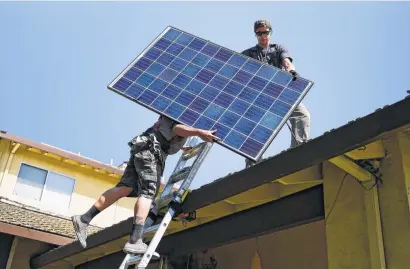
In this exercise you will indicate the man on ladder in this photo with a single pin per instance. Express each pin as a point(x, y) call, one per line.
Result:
point(142, 177)
point(278, 56)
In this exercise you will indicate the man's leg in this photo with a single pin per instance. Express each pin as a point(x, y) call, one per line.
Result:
point(109, 197)
point(126, 185)
point(300, 121)
point(149, 168)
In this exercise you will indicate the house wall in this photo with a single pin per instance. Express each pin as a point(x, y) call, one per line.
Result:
point(89, 185)
point(299, 247)
point(21, 251)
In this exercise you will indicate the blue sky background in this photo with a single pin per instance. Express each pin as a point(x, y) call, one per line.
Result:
point(56, 60)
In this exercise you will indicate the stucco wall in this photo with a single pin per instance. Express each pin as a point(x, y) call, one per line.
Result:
point(295, 248)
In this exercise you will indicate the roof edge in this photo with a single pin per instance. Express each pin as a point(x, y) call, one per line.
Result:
point(61, 152)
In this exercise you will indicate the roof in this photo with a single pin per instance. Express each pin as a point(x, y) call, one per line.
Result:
point(347, 138)
point(76, 158)
point(14, 214)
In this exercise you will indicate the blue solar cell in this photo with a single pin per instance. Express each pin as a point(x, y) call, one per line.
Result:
point(264, 101)
point(221, 130)
point(266, 72)
point(197, 44)
point(205, 76)
point(162, 44)
point(122, 84)
point(181, 80)
point(175, 110)
point(158, 85)
point(229, 119)
point(235, 139)
point(199, 105)
point(245, 126)
point(168, 74)
point(282, 78)
point(184, 39)
point(252, 66)
point(171, 92)
point(132, 74)
point(155, 69)
point(298, 85)
point(178, 64)
point(143, 63)
point(135, 91)
point(270, 120)
point(187, 54)
point(165, 59)
point(145, 80)
point(280, 108)
point(210, 49)
point(251, 147)
point(207, 86)
point(261, 134)
point(233, 88)
point(237, 60)
point(223, 55)
point(195, 87)
point(239, 106)
point(172, 34)
point(185, 98)
point(214, 111)
point(289, 96)
point(242, 77)
point(254, 113)
point(204, 123)
point(219, 82)
point(224, 100)
point(161, 103)
point(209, 93)
point(228, 71)
point(214, 65)
point(153, 53)
point(174, 49)
point(257, 83)
point(201, 59)
point(273, 89)
point(248, 95)
point(189, 117)
point(147, 97)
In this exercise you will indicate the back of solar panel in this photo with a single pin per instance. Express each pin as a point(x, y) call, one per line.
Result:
point(203, 85)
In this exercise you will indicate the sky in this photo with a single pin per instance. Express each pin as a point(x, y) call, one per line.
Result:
point(56, 60)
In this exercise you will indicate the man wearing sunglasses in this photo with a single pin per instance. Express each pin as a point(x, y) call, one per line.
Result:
point(278, 56)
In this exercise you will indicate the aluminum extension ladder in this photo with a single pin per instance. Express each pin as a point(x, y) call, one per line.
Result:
point(168, 203)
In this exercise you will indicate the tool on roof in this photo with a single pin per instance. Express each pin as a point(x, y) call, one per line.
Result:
point(167, 206)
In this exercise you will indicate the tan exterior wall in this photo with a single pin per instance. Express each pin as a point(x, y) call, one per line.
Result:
point(295, 248)
point(22, 250)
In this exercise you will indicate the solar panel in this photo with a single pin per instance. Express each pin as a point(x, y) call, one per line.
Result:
point(201, 84)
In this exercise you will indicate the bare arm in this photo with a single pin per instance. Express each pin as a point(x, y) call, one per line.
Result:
point(185, 131)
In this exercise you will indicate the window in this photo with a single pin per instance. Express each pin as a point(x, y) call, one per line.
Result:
point(44, 186)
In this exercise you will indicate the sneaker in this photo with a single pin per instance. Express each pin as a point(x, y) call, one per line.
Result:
point(138, 247)
point(80, 230)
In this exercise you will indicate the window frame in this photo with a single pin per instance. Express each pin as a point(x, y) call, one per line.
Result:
point(40, 202)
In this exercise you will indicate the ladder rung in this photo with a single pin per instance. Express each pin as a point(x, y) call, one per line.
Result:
point(164, 201)
point(134, 258)
point(193, 151)
point(151, 229)
point(180, 175)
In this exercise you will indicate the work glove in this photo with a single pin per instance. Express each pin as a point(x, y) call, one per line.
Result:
point(294, 74)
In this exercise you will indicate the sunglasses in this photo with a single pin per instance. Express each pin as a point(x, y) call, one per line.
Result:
point(262, 33)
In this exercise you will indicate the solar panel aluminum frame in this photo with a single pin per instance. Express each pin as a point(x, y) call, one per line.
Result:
point(268, 141)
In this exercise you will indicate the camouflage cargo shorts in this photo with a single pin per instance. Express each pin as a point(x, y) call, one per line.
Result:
point(144, 168)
